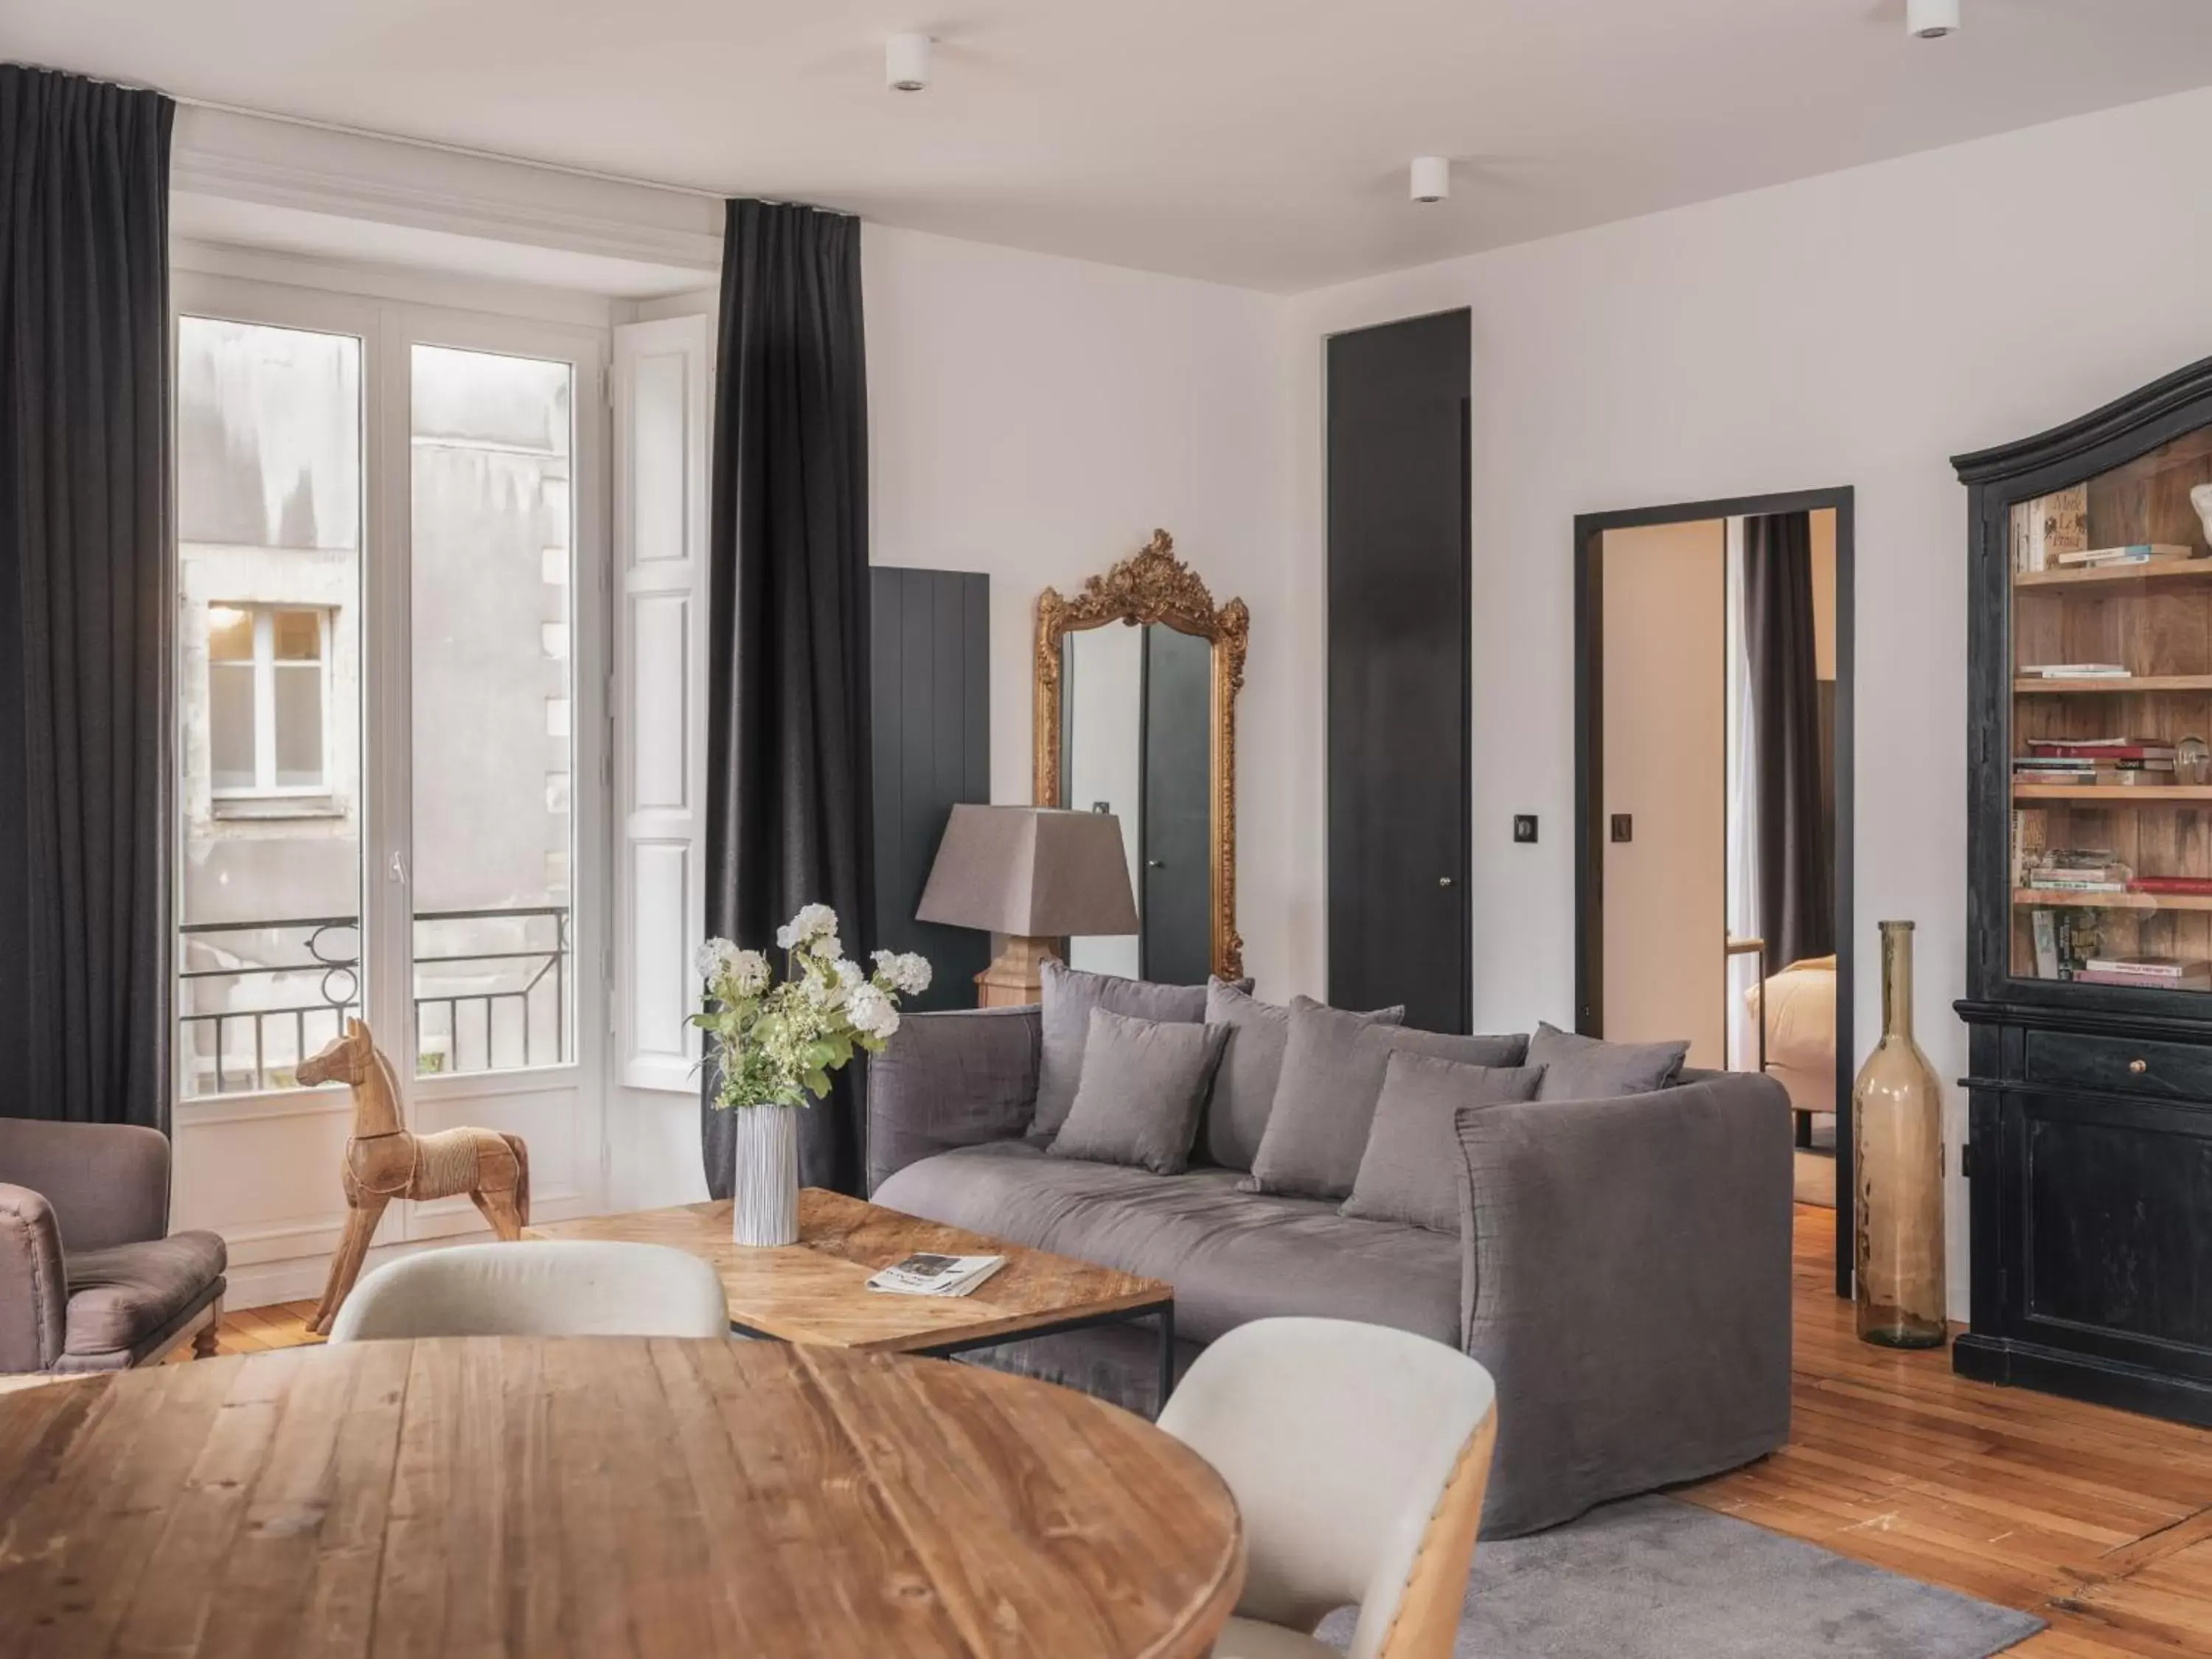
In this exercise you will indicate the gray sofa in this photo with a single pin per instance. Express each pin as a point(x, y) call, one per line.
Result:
point(1622, 1267)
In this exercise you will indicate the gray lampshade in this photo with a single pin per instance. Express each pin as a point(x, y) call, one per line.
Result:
point(1034, 871)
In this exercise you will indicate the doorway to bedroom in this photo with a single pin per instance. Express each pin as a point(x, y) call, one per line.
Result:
point(1713, 773)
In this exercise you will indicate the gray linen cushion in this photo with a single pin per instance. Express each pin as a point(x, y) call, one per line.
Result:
point(1251, 1067)
point(1410, 1172)
point(1588, 1068)
point(1070, 994)
point(1332, 1076)
point(1143, 1085)
point(1324, 1101)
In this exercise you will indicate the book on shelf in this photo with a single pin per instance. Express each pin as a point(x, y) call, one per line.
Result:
point(2099, 749)
point(928, 1274)
point(2178, 886)
point(2050, 528)
point(2075, 671)
point(2044, 927)
point(2137, 553)
point(2192, 982)
point(2155, 973)
point(2061, 766)
point(2073, 870)
point(2030, 839)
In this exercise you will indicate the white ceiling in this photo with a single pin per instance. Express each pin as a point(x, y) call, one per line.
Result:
point(1255, 142)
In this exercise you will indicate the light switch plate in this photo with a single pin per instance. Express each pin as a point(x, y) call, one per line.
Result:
point(1525, 828)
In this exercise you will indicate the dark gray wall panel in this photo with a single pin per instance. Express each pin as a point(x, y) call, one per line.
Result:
point(931, 666)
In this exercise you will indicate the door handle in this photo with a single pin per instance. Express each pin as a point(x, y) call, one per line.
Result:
point(1156, 863)
point(1444, 881)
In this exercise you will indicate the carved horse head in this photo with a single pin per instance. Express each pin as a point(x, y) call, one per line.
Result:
point(348, 1059)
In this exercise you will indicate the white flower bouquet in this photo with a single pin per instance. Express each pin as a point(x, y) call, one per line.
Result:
point(777, 1044)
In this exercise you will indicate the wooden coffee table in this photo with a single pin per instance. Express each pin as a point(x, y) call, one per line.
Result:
point(816, 1290)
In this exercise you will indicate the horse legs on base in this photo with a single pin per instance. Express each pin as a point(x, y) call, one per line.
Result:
point(497, 1207)
point(363, 1210)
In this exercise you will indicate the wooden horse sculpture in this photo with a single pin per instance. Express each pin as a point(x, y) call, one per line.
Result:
point(384, 1161)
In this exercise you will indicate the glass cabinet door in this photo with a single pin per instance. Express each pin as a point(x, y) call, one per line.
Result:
point(2112, 706)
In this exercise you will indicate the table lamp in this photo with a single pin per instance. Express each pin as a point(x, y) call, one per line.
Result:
point(1036, 874)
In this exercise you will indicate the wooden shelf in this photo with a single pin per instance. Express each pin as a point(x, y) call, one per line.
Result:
point(2046, 898)
point(2138, 683)
point(2196, 572)
point(2143, 794)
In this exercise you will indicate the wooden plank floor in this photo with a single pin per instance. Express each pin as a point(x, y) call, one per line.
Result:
point(2099, 1521)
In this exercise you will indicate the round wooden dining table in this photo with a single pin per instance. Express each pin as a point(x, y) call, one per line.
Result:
point(590, 1498)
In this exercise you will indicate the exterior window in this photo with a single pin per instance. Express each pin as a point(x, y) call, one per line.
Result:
point(267, 697)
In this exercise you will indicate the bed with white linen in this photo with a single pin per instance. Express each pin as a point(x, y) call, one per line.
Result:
point(1799, 1005)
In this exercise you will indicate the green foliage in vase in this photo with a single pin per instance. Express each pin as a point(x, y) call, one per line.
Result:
point(777, 1043)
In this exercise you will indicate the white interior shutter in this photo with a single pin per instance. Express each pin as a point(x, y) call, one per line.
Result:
point(661, 379)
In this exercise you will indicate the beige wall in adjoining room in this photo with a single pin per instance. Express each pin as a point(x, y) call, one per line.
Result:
point(1823, 594)
point(1666, 765)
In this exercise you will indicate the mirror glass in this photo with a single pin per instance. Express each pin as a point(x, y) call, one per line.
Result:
point(1136, 741)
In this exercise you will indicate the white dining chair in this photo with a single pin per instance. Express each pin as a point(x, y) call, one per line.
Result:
point(1359, 1456)
point(538, 1287)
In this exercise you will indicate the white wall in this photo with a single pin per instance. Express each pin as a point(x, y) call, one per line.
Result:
point(1857, 329)
point(1034, 418)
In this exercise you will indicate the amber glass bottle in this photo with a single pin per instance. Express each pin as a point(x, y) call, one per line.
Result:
point(1897, 1158)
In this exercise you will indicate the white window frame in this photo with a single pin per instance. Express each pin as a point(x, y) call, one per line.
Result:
point(265, 667)
point(388, 329)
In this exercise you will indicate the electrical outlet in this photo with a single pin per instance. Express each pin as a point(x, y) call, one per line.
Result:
point(1525, 828)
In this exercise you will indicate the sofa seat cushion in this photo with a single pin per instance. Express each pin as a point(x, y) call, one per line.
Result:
point(121, 1295)
point(1233, 1256)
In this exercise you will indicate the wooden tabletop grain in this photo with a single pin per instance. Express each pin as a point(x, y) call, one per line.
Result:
point(584, 1499)
point(816, 1290)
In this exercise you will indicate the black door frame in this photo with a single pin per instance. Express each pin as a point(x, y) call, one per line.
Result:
point(1589, 796)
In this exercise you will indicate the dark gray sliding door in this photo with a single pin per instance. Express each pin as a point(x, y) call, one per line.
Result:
point(1398, 784)
point(930, 666)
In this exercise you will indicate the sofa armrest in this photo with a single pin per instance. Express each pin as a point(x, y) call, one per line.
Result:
point(108, 1182)
point(1626, 1280)
point(951, 1079)
point(33, 1288)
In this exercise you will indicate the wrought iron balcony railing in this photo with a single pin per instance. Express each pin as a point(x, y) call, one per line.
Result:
point(312, 995)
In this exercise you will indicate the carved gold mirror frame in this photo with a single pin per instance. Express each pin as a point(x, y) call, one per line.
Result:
point(1153, 585)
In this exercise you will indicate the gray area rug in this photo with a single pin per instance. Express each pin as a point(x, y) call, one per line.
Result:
point(1652, 1578)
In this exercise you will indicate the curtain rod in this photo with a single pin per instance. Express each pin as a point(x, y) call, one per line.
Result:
point(444, 148)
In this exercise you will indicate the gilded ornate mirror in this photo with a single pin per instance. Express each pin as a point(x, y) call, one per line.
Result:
point(1139, 719)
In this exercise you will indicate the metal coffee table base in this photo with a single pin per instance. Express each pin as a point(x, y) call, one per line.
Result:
point(1162, 1312)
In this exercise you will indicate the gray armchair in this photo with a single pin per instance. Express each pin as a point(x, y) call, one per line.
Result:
point(91, 1279)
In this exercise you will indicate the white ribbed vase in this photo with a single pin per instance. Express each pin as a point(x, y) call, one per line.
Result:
point(764, 1176)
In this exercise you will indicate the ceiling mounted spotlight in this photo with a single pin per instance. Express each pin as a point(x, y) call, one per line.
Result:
point(905, 63)
point(1431, 178)
point(1931, 20)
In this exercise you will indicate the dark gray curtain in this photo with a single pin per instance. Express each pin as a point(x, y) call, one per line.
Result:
point(84, 618)
point(789, 819)
point(1797, 890)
